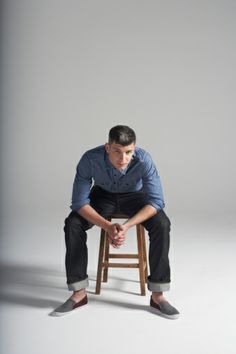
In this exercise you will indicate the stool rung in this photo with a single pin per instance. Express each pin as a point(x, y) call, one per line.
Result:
point(120, 265)
point(122, 255)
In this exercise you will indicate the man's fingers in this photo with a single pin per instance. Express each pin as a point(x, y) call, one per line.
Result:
point(122, 227)
point(117, 231)
point(116, 235)
point(113, 230)
point(117, 243)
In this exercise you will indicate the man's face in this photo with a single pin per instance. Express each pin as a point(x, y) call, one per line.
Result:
point(120, 155)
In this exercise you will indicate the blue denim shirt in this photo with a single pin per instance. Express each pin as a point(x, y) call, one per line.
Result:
point(95, 168)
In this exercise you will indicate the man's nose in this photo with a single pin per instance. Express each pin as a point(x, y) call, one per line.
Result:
point(123, 157)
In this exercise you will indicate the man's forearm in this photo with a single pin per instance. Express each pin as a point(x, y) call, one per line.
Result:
point(143, 214)
point(90, 214)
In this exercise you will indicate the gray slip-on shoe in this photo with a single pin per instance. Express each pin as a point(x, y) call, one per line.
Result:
point(68, 307)
point(164, 309)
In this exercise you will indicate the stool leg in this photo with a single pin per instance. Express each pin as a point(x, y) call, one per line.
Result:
point(141, 260)
point(100, 262)
point(144, 252)
point(106, 259)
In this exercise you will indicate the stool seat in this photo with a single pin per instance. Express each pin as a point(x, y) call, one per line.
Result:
point(105, 255)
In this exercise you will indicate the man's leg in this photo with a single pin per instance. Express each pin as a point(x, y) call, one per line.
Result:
point(76, 259)
point(76, 242)
point(158, 228)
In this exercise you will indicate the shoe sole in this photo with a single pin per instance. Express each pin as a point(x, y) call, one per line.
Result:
point(61, 314)
point(158, 312)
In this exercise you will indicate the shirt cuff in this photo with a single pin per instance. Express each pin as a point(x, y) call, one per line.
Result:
point(76, 206)
point(157, 205)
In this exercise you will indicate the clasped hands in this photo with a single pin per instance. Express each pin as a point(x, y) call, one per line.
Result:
point(116, 234)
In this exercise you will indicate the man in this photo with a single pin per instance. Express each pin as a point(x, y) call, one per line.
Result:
point(117, 177)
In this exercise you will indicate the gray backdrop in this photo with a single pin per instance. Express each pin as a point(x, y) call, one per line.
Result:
point(73, 69)
point(70, 70)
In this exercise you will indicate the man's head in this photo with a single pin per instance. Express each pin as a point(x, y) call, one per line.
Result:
point(121, 146)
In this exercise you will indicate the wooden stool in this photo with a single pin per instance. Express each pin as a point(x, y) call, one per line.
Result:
point(105, 255)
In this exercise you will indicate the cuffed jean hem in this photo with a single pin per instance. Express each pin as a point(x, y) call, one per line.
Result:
point(158, 287)
point(78, 285)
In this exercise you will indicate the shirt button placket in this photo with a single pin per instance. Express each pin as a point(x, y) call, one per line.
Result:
point(115, 182)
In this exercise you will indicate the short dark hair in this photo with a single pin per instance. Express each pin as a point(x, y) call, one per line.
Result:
point(122, 134)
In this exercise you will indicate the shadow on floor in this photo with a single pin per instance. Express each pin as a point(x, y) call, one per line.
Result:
point(29, 285)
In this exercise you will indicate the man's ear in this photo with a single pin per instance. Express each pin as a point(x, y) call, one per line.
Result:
point(107, 147)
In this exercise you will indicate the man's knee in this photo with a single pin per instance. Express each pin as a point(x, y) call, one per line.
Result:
point(159, 221)
point(164, 221)
point(72, 219)
point(74, 223)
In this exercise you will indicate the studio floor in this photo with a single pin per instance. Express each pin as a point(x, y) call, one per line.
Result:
point(118, 320)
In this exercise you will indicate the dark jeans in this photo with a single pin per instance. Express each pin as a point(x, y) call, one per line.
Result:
point(106, 203)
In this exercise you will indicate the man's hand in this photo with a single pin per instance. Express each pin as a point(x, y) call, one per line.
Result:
point(116, 234)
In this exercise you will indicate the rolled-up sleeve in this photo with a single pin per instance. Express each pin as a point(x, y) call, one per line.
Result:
point(82, 184)
point(152, 184)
